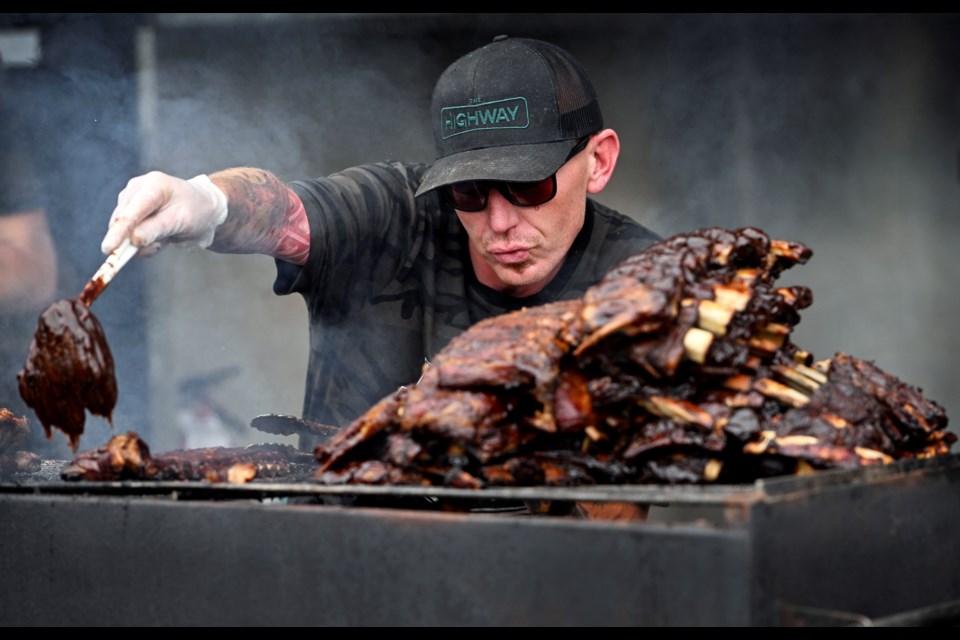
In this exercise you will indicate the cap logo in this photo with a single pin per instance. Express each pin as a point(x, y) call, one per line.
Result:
point(509, 113)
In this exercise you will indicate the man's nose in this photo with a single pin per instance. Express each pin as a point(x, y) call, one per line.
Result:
point(501, 213)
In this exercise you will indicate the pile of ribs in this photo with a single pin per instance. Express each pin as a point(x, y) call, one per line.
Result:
point(676, 367)
point(127, 457)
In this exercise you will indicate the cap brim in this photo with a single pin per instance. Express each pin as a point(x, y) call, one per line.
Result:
point(516, 163)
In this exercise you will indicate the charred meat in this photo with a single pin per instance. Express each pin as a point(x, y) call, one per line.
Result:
point(13, 433)
point(128, 457)
point(677, 367)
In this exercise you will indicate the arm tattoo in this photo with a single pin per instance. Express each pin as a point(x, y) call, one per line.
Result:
point(265, 216)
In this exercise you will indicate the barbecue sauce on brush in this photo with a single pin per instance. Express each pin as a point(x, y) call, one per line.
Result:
point(69, 368)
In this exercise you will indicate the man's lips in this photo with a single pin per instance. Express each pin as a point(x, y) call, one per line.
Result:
point(510, 255)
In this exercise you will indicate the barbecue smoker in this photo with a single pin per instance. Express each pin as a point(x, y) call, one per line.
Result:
point(864, 547)
point(679, 360)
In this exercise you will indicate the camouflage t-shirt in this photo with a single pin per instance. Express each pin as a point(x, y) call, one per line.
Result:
point(389, 281)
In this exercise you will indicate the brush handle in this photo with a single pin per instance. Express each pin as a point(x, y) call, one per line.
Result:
point(107, 271)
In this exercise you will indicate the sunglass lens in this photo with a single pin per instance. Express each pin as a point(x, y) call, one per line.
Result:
point(468, 196)
point(529, 194)
point(471, 196)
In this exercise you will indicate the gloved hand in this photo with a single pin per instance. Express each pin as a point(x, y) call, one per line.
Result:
point(156, 209)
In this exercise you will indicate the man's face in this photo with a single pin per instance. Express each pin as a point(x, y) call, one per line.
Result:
point(518, 250)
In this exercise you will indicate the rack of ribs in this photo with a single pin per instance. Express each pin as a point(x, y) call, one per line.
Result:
point(677, 366)
point(127, 457)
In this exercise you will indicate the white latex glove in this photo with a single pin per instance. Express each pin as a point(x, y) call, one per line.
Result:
point(156, 209)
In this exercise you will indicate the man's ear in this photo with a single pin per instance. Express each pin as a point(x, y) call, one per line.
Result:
point(606, 150)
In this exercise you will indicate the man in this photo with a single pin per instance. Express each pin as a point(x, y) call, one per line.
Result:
point(394, 259)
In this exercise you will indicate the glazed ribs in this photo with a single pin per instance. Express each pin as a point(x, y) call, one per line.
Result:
point(127, 457)
point(676, 367)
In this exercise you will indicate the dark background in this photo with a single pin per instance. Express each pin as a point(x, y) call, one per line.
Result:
point(837, 130)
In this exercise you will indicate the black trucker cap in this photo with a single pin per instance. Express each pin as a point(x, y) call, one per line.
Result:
point(510, 110)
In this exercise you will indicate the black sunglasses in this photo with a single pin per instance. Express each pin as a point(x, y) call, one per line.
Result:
point(471, 196)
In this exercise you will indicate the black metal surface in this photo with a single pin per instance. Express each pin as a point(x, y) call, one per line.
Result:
point(946, 614)
point(867, 546)
point(109, 561)
point(877, 547)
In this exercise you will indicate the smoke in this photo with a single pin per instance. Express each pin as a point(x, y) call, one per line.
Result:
point(838, 131)
point(835, 130)
point(301, 100)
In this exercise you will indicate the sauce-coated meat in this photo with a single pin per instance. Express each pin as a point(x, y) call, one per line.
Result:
point(676, 367)
point(69, 369)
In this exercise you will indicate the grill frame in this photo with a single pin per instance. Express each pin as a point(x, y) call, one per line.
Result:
point(835, 547)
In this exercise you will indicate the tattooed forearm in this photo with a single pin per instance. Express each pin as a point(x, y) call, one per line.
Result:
point(265, 216)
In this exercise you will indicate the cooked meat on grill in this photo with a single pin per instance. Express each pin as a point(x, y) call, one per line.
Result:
point(516, 349)
point(127, 457)
point(13, 433)
point(69, 369)
point(676, 367)
point(860, 409)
